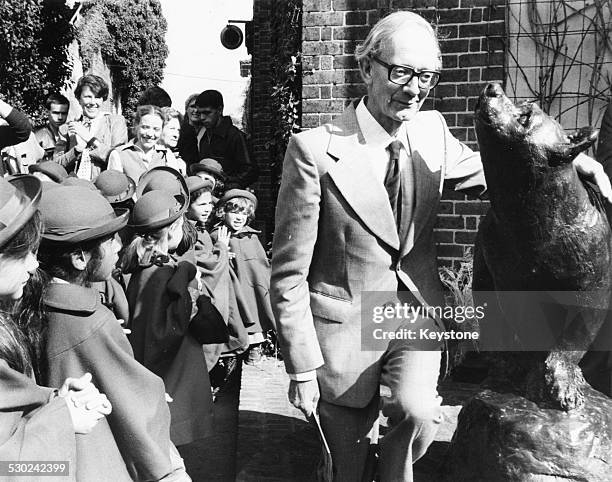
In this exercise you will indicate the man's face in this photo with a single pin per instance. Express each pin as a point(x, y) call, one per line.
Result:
point(57, 114)
point(208, 116)
point(389, 103)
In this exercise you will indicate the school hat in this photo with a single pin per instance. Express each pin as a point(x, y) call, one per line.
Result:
point(79, 182)
point(73, 214)
point(208, 165)
point(155, 210)
point(162, 178)
point(232, 193)
point(19, 198)
point(53, 170)
point(115, 186)
point(195, 183)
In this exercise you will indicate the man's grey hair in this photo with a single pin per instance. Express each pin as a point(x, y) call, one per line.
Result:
point(387, 26)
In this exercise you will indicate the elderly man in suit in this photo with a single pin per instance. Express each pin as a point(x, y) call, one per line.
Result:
point(355, 214)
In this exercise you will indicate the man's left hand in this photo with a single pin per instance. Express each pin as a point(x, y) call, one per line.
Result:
point(590, 168)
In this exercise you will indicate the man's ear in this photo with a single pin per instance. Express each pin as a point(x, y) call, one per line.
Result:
point(79, 259)
point(365, 68)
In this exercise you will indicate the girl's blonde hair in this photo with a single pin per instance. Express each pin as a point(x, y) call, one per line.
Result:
point(236, 205)
point(147, 249)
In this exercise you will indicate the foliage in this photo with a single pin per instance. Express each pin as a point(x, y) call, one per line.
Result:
point(572, 40)
point(131, 38)
point(286, 72)
point(34, 40)
point(458, 282)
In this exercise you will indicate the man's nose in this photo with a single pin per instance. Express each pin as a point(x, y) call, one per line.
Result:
point(412, 87)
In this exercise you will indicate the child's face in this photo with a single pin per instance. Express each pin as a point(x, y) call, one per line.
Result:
point(148, 131)
point(110, 255)
point(236, 221)
point(14, 274)
point(200, 209)
point(57, 114)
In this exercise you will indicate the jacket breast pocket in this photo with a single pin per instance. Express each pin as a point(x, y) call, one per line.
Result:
point(329, 307)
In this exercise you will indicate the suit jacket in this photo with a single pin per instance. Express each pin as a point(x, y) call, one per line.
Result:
point(336, 237)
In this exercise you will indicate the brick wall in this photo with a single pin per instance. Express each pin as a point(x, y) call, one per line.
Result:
point(260, 127)
point(471, 33)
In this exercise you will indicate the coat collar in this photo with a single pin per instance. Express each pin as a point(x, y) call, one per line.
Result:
point(71, 297)
point(353, 176)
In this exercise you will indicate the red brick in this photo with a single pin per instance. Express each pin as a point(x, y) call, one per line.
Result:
point(312, 19)
point(476, 45)
point(448, 31)
point(450, 104)
point(324, 77)
point(481, 29)
point(326, 33)
point(480, 3)
point(316, 5)
point(450, 251)
point(459, 132)
point(495, 13)
point(454, 46)
point(448, 4)
point(476, 15)
point(310, 120)
point(312, 33)
point(320, 106)
point(471, 207)
point(455, 15)
point(350, 33)
point(471, 222)
point(345, 61)
point(321, 48)
point(450, 61)
point(352, 5)
point(451, 119)
point(493, 73)
point(450, 222)
point(311, 92)
point(475, 74)
point(443, 236)
point(465, 237)
point(355, 18)
point(327, 62)
point(310, 62)
point(348, 91)
point(325, 92)
point(492, 44)
point(445, 90)
point(465, 120)
point(455, 75)
point(446, 207)
point(471, 89)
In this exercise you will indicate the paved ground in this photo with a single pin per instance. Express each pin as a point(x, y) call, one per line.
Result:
point(261, 437)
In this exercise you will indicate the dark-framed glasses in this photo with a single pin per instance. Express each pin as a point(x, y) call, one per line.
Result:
point(403, 74)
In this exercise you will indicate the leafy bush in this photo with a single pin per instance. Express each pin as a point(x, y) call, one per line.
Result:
point(34, 40)
point(131, 38)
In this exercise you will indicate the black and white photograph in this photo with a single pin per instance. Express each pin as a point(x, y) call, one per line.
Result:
point(306, 240)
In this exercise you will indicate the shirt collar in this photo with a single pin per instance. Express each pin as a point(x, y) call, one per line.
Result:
point(373, 133)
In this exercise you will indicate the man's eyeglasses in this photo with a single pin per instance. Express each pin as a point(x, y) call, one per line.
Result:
point(403, 74)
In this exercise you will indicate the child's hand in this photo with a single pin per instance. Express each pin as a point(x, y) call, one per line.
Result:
point(85, 403)
point(223, 235)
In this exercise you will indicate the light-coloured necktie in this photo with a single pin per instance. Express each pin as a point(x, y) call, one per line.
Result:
point(84, 170)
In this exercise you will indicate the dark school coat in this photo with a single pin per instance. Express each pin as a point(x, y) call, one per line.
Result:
point(33, 425)
point(252, 269)
point(133, 442)
point(213, 263)
point(160, 311)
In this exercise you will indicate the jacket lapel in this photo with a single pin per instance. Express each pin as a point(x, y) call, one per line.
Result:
point(352, 174)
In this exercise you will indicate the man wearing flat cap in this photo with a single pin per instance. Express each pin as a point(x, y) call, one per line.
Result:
point(218, 139)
